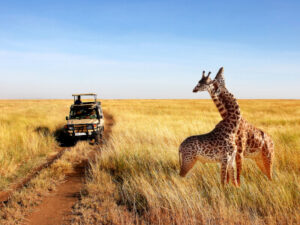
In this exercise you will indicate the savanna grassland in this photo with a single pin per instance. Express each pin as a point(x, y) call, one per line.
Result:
point(30, 133)
point(27, 134)
point(135, 178)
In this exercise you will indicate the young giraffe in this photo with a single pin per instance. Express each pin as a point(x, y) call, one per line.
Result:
point(219, 144)
point(251, 142)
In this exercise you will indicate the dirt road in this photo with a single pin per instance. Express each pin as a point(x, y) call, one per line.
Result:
point(57, 207)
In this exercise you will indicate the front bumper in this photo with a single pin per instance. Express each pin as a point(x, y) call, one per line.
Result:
point(88, 133)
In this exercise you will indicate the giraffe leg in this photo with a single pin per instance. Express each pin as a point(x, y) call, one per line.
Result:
point(227, 164)
point(259, 162)
point(232, 177)
point(241, 143)
point(231, 169)
point(267, 158)
point(227, 177)
point(239, 166)
point(224, 167)
point(186, 166)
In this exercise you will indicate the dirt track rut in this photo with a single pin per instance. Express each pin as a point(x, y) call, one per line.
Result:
point(57, 207)
point(5, 195)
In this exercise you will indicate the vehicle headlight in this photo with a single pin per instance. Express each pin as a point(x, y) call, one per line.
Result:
point(89, 127)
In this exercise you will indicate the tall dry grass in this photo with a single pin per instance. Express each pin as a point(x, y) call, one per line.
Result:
point(135, 180)
point(27, 135)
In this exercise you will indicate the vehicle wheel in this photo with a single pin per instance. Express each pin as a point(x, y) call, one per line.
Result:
point(98, 138)
point(72, 141)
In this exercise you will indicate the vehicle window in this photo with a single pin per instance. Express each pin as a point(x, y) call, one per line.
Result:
point(83, 113)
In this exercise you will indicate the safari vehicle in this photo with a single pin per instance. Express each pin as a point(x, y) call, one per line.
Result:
point(86, 119)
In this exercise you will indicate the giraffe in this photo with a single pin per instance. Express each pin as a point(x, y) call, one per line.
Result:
point(251, 142)
point(219, 144)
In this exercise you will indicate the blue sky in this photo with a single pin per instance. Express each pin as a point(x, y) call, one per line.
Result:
point(148, 49)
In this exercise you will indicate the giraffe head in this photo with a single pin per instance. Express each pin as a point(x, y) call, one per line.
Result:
point(207, 84)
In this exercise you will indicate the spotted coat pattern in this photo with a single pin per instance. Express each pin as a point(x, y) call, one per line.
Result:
point(251, 142)
point(219, 144)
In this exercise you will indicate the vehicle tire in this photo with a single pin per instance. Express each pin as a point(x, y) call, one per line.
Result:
point(72, 141)
point(98, 138)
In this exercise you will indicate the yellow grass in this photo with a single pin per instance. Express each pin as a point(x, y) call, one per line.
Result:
point(136, 178)
point(27, 135)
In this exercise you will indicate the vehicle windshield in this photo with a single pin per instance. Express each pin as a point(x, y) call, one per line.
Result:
point(83, 113)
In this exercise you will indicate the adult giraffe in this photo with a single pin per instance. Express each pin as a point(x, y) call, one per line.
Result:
point(251, 142)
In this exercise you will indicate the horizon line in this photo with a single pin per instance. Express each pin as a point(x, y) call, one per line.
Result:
point(64, 99)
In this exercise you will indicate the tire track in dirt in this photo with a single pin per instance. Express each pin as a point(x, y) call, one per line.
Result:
point(5, 195)
point(57, 207)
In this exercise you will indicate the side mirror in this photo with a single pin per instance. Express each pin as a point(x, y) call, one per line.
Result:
point(67, 118)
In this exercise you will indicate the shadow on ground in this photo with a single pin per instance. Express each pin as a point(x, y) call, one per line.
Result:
point(60, 136)
point(63, 139)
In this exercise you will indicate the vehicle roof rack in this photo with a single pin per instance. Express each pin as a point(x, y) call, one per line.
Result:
point(86, 94)
point(92, 94)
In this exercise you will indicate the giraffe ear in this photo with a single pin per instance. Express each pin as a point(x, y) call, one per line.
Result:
point(220, 77)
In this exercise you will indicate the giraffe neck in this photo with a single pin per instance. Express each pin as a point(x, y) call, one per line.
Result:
point(219, 105)
point(228, 107)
